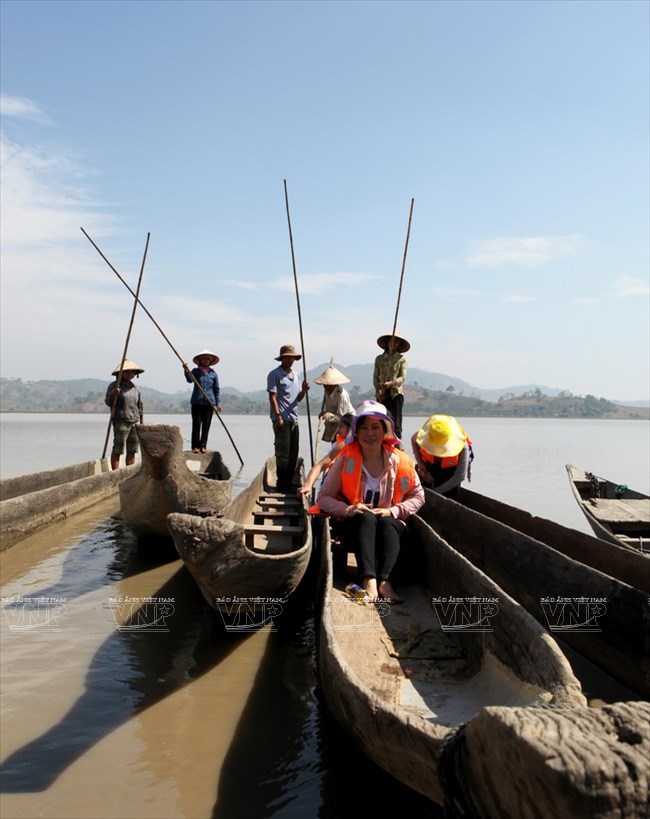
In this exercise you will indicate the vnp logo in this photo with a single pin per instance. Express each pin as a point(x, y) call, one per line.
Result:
point(34, 613)
point(141, 613)
point(245, 614)
point(573, 613)
point(470, 614)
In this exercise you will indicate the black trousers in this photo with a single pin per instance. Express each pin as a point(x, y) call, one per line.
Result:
point(375, 540)
point(201, 420)
point(395, 406)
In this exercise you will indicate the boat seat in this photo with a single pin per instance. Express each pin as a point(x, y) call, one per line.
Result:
point(280, 504)
point(252, 529)
point(627, 511)
point(277, 515)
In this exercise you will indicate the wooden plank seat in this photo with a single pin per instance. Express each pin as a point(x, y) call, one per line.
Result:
point(278, 516)
point(626, 511)
point(252, 529)
point(279, 496)
point(279, 505)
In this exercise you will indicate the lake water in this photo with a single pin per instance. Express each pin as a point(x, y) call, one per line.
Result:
point(99, 722)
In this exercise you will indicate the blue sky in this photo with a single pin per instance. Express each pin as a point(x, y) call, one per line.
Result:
point(519, 128)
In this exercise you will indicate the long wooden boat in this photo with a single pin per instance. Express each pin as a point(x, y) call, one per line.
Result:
point(255, 552)
point(628, 565)
point(32, 502)
point(401, 679)
point(615, 512)
point(170, 480)
point(602, 618)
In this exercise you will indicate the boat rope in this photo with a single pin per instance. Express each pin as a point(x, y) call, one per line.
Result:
point(458, 803)
point(594, 484)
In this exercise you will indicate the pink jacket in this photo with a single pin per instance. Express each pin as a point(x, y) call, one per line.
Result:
point(328, 497)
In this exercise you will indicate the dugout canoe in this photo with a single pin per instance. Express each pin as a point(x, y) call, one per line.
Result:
point(603, 619)
point(615, 512)
point(31, 502)
point(171, 480)
point(401, 679)
point(255, 551)
point(549, 761)
point(609, 558)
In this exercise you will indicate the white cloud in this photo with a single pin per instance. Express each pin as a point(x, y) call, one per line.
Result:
point(20, 108)
point(524, 251)
point(629, 286)
point(241, 284)
point(317, 284)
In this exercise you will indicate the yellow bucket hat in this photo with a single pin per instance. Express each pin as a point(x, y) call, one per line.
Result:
point(441, 436)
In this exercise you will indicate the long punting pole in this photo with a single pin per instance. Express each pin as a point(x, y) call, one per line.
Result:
point(302, 341)
point(126, 347)
point(160, 330)
point(401, 278)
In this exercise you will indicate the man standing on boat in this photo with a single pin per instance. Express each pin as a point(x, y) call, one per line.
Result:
point(286, 389)
point(389, 375)
point(128, 411)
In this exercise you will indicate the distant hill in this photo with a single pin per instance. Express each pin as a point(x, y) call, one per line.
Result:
point(452, 397)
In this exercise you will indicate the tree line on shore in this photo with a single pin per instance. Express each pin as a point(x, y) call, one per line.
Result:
point(87, 395)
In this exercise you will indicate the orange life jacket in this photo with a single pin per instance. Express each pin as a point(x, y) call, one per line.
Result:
point(351, 476)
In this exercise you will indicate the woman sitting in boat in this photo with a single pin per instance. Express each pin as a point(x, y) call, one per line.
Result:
point(372, 488)
point(443, 453)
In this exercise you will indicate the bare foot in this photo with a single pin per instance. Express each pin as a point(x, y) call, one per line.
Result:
point(195, 450)
point(370, 588)
point(388, 593)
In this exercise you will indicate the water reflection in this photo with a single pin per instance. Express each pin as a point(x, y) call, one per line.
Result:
point(130, 672)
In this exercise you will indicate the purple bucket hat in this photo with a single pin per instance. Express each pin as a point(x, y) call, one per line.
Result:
point(375, 410)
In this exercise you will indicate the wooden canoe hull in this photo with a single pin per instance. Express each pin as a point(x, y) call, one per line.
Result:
point(379, 715)
point(525, 763)
point(535, 574)
point(617, 514)
point(610, 558)
point(165, 483)
point(33, 502)
point(215, 549)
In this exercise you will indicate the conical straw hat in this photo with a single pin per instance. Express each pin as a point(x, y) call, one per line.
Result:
point(331, 376)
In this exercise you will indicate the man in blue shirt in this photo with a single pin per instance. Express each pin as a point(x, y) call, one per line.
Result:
point(286, 389)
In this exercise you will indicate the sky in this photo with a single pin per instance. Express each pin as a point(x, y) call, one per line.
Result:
point(519, 129)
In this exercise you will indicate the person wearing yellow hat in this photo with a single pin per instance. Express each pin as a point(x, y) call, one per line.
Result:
point(128, 411)
point(336, 401)
point(286, 390)
point(200, 406)
point(389, 375)
point(443, 453)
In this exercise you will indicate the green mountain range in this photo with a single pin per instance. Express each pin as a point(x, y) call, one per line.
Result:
point(425, 393)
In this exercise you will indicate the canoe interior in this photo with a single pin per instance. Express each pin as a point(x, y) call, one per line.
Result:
point(399, 682)
point(614, 511)
point(538, 576)
point(257, 546)
point(609, 557)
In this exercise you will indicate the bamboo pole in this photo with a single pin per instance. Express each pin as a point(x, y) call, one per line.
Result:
point(401, 278)
point(302, 341)
point(173, 349)
point(126, 347)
